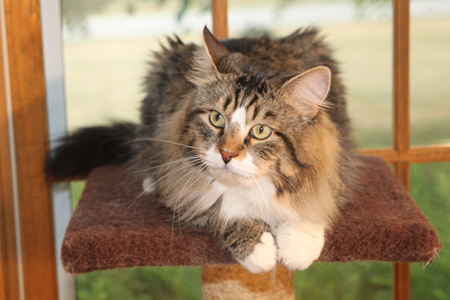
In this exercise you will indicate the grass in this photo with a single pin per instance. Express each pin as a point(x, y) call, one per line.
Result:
point(103, 81)
point(141, 284)
point(431, 189)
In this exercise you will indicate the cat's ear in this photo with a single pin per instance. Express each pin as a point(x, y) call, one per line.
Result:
point(216, 51)
point(308, 90)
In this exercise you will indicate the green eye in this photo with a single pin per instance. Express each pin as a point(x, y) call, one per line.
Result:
point(216, 119)
point(261, 132)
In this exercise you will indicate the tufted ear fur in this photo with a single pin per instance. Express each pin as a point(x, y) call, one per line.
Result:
point(308, 90)
point(216, 51)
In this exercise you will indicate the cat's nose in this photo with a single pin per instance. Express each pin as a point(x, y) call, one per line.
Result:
point(227, 156)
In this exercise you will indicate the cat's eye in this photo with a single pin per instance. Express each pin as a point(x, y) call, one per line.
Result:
point(216, 119)
point(261, 132)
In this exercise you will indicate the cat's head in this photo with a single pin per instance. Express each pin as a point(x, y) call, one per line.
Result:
point(255, 121)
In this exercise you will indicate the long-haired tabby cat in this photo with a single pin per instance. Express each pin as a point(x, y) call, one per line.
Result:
point(247, 138)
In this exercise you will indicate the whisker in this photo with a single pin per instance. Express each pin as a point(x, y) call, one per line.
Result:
point(179, 195)
point(137, 199)
point(159, 140)
point(189, 182)
point(166, 164)
point(184, 166)
point(167, 193)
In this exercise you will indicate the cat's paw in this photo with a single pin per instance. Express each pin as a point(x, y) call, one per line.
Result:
point(300, 244)
point(263, 257)
point(148, 185)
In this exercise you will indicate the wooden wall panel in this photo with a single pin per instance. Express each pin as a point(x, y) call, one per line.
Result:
point(9, 285)
point(31, 142)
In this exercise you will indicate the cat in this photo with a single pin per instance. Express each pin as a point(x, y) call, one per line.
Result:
point(247, 138)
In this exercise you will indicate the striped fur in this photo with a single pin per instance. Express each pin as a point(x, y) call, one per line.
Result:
point(301, 173)
point(272, 194)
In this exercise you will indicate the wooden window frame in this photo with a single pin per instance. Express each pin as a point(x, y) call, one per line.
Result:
point(26, 93)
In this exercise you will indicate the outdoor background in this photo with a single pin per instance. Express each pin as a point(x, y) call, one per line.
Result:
point(108, 43)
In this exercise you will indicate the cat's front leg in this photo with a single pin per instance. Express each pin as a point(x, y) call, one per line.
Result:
point(249, 241)
point(262, 256)
point(300, 243)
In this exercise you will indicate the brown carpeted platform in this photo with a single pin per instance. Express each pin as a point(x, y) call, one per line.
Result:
point(114, 227)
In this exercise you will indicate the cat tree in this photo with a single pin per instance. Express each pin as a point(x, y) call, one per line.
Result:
point(110, 230)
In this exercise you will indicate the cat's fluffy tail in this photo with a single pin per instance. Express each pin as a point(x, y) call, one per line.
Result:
point(91, 147)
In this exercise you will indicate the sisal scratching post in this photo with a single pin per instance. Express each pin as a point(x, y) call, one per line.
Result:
point(234, 282)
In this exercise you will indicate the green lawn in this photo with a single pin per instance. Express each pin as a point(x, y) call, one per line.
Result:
point(116, 68)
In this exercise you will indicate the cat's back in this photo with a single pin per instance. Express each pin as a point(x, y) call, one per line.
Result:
point(298, 52)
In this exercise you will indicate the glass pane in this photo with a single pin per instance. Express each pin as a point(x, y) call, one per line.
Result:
point(76, 189)
point(155, 283)
point(106, 47)
point(430, 72)
point(430, 189)
point(365, 53)
point(360, 33)
point(361, 36)
point(336, 281)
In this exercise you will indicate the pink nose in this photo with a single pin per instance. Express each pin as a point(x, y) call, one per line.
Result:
point(227, 156)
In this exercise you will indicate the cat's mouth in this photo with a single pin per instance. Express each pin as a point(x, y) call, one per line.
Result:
point(233, 173)
point(231, 178)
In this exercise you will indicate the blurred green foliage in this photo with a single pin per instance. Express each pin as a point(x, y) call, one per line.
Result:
point(430, 188)
point(75, 11)
point(147, 283)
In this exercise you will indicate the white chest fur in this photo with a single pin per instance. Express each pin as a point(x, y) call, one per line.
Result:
point(257, 202)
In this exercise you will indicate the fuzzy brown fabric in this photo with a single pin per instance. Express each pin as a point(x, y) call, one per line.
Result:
point(114, 227)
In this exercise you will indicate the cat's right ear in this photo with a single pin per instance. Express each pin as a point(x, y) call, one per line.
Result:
point(216, 51)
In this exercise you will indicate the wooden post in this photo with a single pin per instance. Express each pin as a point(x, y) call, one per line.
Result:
point(220, 18)
point(401, 123)
point(26, 70)
point(9, 278)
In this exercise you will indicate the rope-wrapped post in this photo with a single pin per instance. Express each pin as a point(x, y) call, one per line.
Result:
point(234, 282)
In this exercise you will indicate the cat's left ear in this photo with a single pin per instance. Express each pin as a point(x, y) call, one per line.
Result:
point(308, 90)
point(216, 51)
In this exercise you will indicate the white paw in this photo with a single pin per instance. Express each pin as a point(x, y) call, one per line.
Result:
point(148, 185)
point(300, 244)
point(264, 256)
